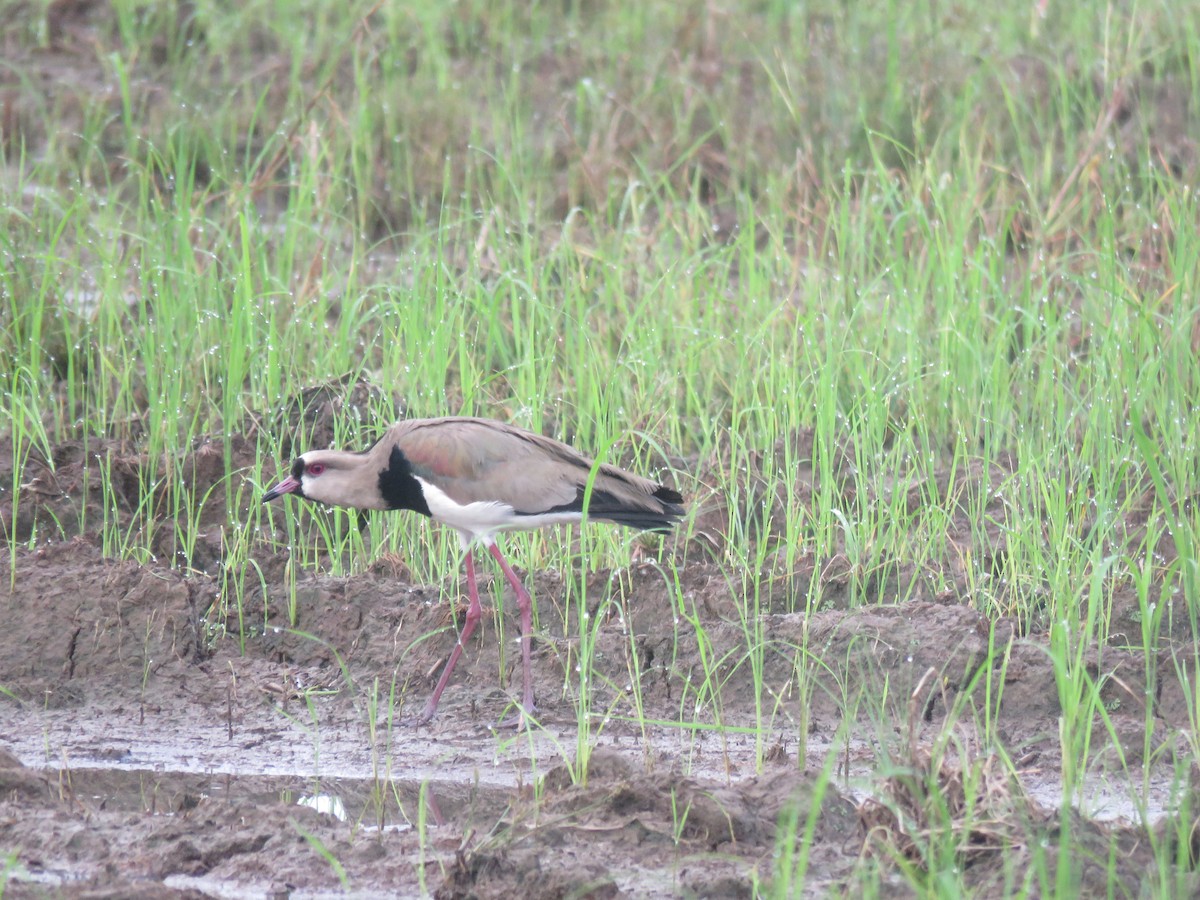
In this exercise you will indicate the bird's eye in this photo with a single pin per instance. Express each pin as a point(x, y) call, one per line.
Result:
point(314, 469)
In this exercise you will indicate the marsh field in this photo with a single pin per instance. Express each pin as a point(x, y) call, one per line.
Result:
point(902, 297)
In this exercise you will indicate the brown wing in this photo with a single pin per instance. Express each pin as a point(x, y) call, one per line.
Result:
point(483, 460)
point(480, 460)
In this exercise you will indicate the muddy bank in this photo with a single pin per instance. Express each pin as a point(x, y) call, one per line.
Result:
point(152, 749)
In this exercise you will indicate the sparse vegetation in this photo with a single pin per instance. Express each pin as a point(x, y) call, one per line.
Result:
point(902, 296)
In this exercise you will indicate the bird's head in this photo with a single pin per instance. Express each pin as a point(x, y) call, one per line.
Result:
point(314, 478)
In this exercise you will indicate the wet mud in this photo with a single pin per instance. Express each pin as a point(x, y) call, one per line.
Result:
point(161, 739)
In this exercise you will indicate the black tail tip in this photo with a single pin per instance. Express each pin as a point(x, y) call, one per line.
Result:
point(671, 497)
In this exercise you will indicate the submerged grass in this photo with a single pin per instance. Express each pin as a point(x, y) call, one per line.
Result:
point(848, 271)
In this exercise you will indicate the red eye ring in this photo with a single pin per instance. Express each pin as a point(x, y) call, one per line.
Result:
point(315, 469)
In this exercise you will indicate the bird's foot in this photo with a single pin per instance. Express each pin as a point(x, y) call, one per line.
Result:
point(424, 717)
point(523, 720)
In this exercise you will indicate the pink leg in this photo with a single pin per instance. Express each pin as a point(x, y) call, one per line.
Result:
point(525, 603)
point(474, 614)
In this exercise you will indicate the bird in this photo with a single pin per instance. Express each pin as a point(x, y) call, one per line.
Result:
point(481, 477)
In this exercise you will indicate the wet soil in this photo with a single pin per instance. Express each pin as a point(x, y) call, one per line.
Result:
point(173, 728)
point(160, 739)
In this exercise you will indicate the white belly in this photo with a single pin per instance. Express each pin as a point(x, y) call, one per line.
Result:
point(484, 518)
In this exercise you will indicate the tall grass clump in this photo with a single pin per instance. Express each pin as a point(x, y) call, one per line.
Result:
point(902, 294)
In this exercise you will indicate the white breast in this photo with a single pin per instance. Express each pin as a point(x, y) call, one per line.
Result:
point(483, 518)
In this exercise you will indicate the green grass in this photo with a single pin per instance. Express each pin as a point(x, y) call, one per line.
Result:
point(958, 262)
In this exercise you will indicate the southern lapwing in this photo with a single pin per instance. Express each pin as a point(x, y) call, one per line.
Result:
point(480, 477)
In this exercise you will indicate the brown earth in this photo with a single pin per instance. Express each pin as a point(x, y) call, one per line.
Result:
point(150, 752)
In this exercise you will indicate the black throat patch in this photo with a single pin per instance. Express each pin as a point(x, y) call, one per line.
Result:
point(399, 488)
point(298, 474)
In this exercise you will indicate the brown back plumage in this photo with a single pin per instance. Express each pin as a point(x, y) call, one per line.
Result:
point(475, 460)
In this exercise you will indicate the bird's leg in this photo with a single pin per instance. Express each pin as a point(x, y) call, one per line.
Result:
point(525, 603)
point(474, 614)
